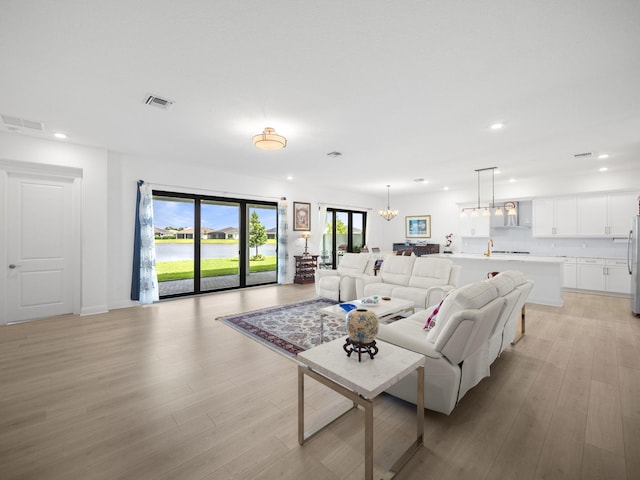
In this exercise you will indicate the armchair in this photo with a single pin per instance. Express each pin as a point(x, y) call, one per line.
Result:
point(339, 284)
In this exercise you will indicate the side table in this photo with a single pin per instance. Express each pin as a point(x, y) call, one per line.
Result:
point(361, 383)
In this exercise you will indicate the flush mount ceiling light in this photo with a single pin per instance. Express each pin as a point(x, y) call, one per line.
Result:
point(388, 214)
point(269, 140)
point(486, 211)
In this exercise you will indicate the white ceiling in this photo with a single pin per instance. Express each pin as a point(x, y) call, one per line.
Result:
point(404, 90)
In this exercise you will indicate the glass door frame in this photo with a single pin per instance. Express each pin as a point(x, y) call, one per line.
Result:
point(243, 238)
point(351, 248)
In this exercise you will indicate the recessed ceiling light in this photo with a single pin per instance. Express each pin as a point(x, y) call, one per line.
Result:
point(603, 169)
point(512, 180)
point(446, 188)
point(289, 177)
point(60, 135)
point(604, 155)
point(497, 126)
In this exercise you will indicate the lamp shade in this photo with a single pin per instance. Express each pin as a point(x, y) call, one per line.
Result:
point(269, 140)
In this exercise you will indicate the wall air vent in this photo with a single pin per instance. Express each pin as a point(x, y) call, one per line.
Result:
point(580, 155)
point(10, 122)
point(158, 102)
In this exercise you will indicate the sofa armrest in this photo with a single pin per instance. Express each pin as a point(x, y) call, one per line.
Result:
point(404, 339)
point(436, 294)
point(321, 273)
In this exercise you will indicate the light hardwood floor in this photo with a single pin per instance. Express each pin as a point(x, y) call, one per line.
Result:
point(166, 392)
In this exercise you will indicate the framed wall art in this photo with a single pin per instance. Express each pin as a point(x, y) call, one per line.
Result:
point(301, 216)
point(418, 226)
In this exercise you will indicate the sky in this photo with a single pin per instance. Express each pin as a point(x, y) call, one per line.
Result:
point(214, 216)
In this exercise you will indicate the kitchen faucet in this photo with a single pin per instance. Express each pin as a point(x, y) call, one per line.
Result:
point(489, 245)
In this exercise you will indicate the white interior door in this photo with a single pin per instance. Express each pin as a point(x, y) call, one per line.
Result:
point(39, 247)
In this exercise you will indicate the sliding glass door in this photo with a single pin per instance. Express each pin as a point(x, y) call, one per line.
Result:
point(344, 232)
point(205, 244)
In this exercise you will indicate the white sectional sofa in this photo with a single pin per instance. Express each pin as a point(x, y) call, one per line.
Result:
point(473, 325)
point(424, 280)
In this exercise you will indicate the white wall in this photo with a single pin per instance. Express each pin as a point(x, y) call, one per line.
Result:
point(93, 162)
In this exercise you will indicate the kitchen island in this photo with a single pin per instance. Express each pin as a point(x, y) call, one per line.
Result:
point(546, 272)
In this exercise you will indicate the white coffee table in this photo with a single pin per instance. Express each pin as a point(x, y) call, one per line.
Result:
point(384, 309)
point(361, 382)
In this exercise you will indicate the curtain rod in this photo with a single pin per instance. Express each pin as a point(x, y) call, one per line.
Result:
point(331, 205)
point(224, 193)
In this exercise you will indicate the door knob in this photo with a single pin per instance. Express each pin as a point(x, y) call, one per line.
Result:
point(12, 266)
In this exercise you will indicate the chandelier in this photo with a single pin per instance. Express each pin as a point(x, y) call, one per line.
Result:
point(498, 210)
point(269, 140)
point(388, 214)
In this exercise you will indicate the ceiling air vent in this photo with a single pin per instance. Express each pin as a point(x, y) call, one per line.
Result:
point(580, 155)
point(334, 154)
point(10, 121)
point(158, 102)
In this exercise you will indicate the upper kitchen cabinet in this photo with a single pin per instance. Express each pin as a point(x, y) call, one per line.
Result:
point(555, 217)
point(477, 226)
point(605, 215)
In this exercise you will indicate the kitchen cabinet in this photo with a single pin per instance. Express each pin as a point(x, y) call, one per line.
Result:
point(618, 278)
point(477, 226)
point(605, 215)
point(570, 273)
point(591, 274)
point(604, 275)
point(555, 217)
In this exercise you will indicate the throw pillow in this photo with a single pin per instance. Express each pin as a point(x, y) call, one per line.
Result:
point(431, 320)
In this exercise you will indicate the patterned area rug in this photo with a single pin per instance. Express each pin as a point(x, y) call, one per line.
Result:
point(289, 329)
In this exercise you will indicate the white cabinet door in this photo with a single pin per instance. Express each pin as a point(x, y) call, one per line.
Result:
point(474, 226)
point(570, 273)
point(566, 220)
point(555, 217)
point(591, 274)
point(618, 279)
point(543, 217)
point(593, 216)
point(622, 208)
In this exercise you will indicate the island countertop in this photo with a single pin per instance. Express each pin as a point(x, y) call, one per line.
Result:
point(504, 257)
point(546, 272)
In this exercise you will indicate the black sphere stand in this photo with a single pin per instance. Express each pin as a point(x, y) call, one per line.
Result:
point(350, 346)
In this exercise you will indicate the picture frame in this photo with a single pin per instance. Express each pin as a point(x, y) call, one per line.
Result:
point(301, 216)
point(418, 226)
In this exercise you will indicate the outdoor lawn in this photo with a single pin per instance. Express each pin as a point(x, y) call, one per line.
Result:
point(211, 267)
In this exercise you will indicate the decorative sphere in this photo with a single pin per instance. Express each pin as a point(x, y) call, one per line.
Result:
point(362, 325)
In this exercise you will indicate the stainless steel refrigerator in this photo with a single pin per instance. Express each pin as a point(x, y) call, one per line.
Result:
point(633, 261)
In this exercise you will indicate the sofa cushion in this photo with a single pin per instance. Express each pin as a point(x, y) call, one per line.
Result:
point(472, 296)
point(516, 276)
point(429, 272)
point(353, 263)
point(397, 270)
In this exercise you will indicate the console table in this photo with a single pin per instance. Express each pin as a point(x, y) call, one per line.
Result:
point(418, 250)
point(361, 382)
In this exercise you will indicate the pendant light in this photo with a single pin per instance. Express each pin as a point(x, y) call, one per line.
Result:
point(388, 214)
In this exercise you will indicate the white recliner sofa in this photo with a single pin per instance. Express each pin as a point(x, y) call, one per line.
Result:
point(424, 280)
point(455, 348)
point(340, 284)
